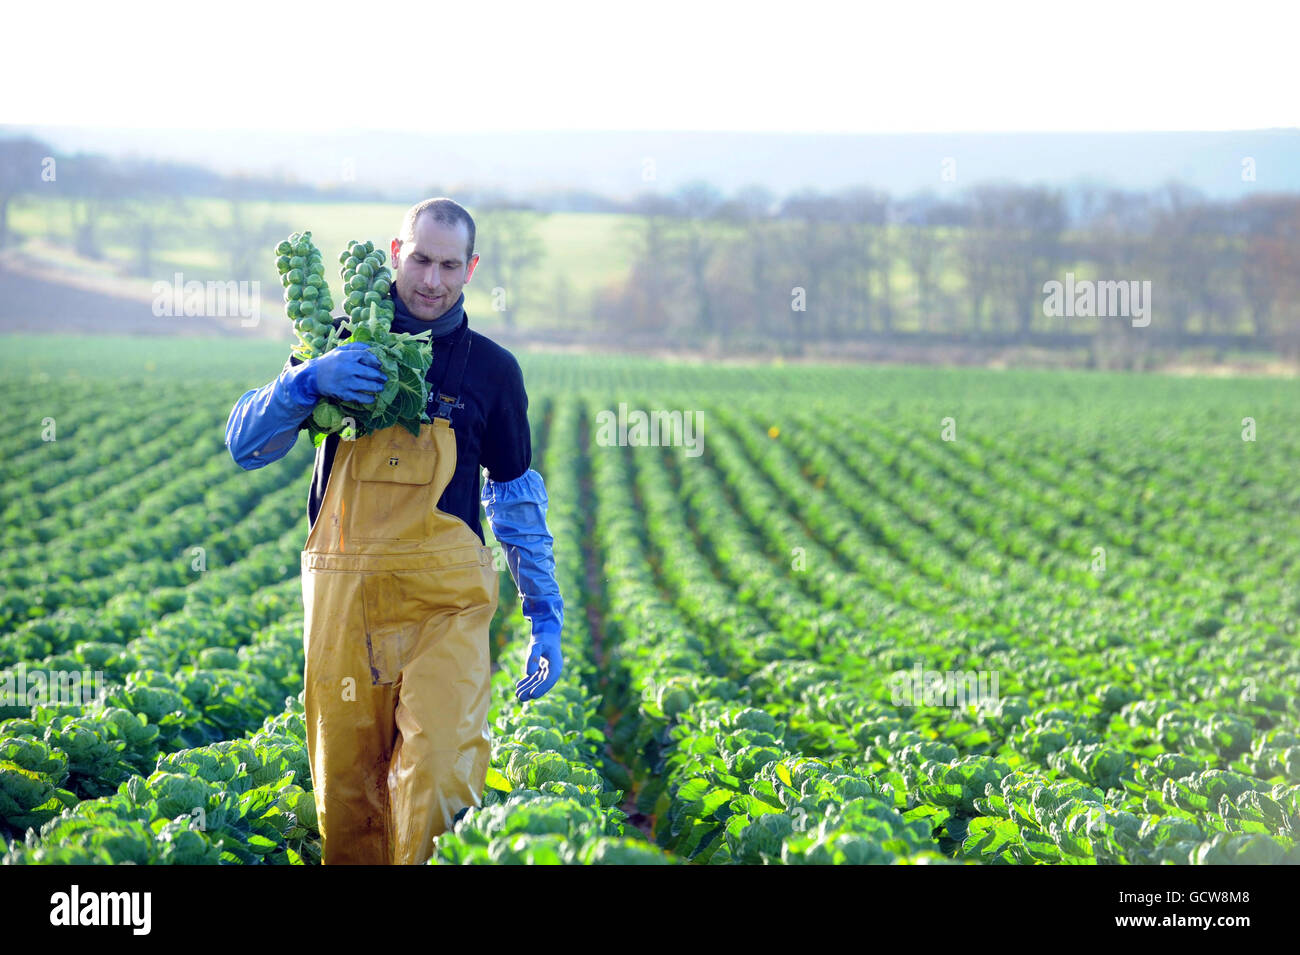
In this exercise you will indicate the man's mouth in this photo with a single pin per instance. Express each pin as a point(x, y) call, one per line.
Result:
point(429, 298)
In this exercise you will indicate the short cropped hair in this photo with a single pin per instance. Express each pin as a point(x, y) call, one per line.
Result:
point(443, 210)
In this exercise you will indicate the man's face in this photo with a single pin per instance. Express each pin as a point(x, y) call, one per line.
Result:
point(430, 270)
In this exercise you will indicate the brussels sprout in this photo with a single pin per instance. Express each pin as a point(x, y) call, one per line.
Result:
point(370, 246)
point(371, 298)
point(315, 281)
point(293, 292)
point(354, 299)
point(327, 416)
point(297, 262)
point(282, 264)
point(358, 283)
point(295, 276)
point(283, 248)
point(293, 310)
point(382, 286)
point(306, 308)
point(674, 700)
point(310, 291)
point(356, 313)
point(366, 268)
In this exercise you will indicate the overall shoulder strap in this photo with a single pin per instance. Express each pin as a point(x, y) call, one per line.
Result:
point(448, 392)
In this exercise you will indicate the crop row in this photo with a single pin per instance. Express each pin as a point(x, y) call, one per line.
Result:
point(1221, 737)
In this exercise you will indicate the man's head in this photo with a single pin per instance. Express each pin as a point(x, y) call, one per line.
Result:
point(433, 257)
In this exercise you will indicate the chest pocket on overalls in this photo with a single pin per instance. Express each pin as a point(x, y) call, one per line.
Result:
point(392, 498)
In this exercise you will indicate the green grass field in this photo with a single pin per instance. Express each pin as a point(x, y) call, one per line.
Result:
point(587, 249)
point(858, 615)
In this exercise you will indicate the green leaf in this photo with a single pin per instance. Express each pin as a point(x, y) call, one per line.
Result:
point(714, 800)
point(693, 789)
point(936, 816)
point(989, 836)
point(261, 844)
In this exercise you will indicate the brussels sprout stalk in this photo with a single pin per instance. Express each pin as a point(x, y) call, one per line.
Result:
point(403, 357)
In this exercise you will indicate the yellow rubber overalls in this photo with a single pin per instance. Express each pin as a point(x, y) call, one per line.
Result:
point(397, 597)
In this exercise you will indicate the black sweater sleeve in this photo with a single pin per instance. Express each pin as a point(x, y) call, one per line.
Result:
point(507, 440)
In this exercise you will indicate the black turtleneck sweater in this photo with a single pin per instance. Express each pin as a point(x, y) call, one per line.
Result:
point(490, 420)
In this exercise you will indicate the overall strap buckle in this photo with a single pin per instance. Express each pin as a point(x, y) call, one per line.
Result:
point(445, 404)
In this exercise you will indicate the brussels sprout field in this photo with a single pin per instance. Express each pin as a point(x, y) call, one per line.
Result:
point(859, 615)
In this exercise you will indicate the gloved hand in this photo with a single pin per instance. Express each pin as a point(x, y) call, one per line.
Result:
point(543, 668)
point(516, 510)
point(351, 372)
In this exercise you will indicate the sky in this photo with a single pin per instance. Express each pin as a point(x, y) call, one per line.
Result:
point(753, 66)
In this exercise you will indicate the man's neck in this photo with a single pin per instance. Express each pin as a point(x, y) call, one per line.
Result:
point(441, 327)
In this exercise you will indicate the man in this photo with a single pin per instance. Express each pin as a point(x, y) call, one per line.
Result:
point(398, 587)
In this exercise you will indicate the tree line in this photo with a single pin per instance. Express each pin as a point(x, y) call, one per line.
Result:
point(863, 265)
point(757, 271)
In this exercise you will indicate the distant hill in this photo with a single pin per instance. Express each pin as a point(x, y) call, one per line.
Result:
point(616, 163)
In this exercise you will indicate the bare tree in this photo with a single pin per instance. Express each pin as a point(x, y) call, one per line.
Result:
point(94, 184)
point(983, 252)
point(1177, 254)
point(699, 203)
point(646, 301)
point(920, 251)
point(149, 212)
point(749, 204)
point(865, 210)
point(1039, 218)
point(21, 163)
point(508, 241)
point(752, 301)
point(809, 244)
point(1264, 222)
point(247, 239)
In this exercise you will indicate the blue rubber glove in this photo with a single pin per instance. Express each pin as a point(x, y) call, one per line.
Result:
point(265, 422)
point(542, 669)
point(516, 511)
point(350, 372)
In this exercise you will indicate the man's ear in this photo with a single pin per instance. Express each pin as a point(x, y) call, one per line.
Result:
point(396, 250)
point(472, 264)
